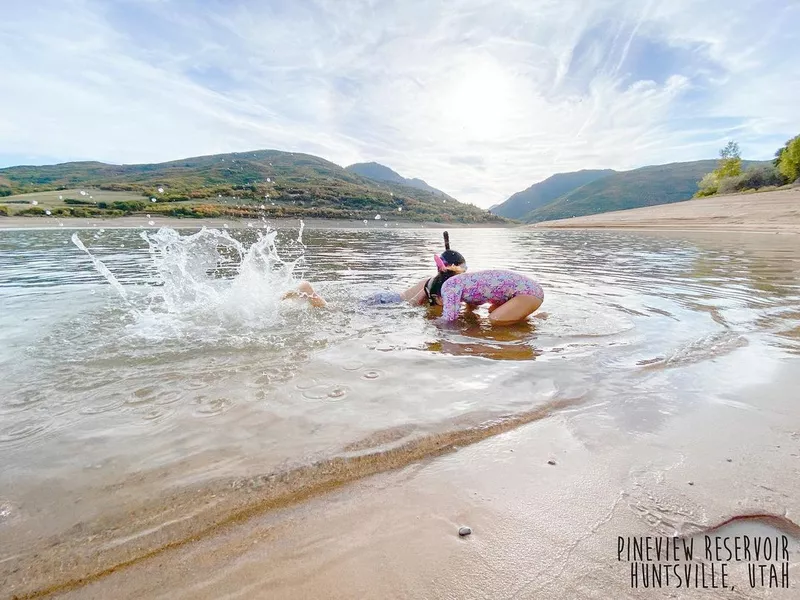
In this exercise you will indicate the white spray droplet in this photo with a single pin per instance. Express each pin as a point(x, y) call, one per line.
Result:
point(34, 202)
point(444, 201)
point(60, 224)
point(269, 180)
point(225, 225)
point(399, 209)
point(263, 207)
point(160, 190)
point(385, 224)
point(83, 193)
point(91, 197)
point(148, 216)
point(47, 212)
point(365, 221)
point(377, 217)
point(61, 197)
point(273, 204)
point(266, 196)
point(250, 224)
point(219, 195)
point(153, 200)
point(151, 223)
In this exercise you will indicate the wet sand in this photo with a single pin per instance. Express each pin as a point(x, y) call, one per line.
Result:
point(540, 530)
point(767, 212)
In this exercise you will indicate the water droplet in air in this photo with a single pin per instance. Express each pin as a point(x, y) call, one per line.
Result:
point(263, 207)
point(219, 195)
point(34, 202)
point(47, 212)
point(273, 204)
point(444, 201)
point(225, 225)
point(91, 197)
point(151, 223)
point(60, 224)
point(61, 197)
point(377, 217)
point(153, 200)
point(385, 224)
point(268, 180)
point(266, 196)
point(399, 209)
point(250, 224)
point(83, 193)
point(365, 221)
point(148, 216)
point(160, 190)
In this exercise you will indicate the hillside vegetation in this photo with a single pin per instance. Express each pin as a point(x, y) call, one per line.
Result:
point(647, 186)
point(544, 192)
point(267, 183)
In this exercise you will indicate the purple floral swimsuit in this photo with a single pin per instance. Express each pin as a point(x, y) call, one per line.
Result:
point(479, 287)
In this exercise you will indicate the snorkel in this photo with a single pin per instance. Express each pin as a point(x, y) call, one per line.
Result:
point(448, 263)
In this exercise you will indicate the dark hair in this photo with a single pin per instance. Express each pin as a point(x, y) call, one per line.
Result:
point(451, 257)
point(433, 287)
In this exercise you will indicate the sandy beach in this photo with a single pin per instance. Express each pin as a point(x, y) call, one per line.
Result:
point(767, 212)
point(540, 530)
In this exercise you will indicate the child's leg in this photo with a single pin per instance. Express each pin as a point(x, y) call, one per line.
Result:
point(515, 310)
point(306, 291)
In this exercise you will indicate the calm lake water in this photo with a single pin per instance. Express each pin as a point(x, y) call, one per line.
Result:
point(184, 394)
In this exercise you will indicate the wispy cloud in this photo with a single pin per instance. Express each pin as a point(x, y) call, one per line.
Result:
point(478, 98)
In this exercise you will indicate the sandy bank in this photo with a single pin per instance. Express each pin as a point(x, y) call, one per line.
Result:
point(156, 221)
point(769, 212)
point(540, 530)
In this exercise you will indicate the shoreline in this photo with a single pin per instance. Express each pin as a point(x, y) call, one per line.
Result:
point(765, 212)
point(135, 222)
point(546, 506)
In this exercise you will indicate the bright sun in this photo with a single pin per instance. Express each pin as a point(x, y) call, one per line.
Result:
point(479, 100)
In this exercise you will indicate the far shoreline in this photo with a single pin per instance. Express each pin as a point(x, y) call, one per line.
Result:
point(139, 222)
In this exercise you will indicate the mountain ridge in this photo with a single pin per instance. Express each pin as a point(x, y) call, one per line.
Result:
point(269, 183)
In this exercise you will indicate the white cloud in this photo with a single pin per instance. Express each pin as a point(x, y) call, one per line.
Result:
point(480, 99)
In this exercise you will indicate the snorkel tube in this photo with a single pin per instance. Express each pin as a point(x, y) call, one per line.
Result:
point(448, 263)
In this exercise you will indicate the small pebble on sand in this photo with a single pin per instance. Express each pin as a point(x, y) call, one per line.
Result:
point(551, 462)
point(464, 531)
point(729, 459)
point(691, 483)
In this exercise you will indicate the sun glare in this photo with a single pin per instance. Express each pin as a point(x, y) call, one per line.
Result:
point(479, 102)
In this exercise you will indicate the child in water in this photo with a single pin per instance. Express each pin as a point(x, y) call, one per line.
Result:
point(512, 297)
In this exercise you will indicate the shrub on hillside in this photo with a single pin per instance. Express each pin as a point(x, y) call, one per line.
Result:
point(3, 211)
point(753, 179)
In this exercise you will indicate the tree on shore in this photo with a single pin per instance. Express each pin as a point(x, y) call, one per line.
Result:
point(730, 165)
point(787, 159)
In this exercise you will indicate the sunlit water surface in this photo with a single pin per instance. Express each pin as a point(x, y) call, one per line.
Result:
point(187, 369)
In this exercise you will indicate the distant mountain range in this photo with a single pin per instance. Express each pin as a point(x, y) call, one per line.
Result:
point(258, 183)
point(379, 172)
point(544, 192)
point(591, 192)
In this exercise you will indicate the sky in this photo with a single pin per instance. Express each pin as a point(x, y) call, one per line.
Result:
point(480, 98)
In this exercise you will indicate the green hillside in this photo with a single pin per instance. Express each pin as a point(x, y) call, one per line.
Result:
point(379, 172)
point(245, 184)
point(544, 192)
point(648, 186)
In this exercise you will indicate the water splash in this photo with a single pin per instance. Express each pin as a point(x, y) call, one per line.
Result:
point(215, 277)
point(101, 268)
